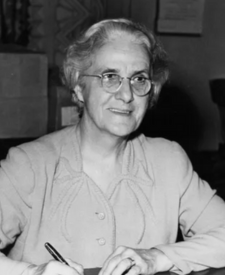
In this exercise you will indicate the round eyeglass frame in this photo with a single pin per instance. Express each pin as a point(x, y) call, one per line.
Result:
point(101, 76)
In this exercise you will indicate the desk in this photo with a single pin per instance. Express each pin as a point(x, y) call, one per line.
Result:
point(211, 271)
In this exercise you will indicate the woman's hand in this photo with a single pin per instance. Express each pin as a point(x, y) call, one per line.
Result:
point(55, 268)
point(136, 261)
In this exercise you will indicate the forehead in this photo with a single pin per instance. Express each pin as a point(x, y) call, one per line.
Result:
point(121, 52)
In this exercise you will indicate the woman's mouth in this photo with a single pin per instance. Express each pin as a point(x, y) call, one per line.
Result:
point(120, 111)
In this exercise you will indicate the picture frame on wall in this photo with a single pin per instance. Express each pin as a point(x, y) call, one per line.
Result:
point(180, 17)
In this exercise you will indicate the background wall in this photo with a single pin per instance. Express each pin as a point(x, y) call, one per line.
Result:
point(186, 111)
point(195, 60)
point(191, 117)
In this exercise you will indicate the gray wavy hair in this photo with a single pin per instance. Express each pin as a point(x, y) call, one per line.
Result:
point(78, 54)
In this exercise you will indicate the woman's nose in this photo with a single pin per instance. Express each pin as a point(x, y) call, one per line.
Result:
point(124, 92)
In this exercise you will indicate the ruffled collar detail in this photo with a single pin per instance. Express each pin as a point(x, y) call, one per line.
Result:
point(134, 166)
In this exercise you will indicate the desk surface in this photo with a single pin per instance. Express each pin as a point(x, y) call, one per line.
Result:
point(211, 271)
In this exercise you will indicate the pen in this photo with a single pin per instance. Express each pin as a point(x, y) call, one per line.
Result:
point(55, 254)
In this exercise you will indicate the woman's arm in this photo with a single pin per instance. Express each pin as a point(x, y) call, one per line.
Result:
point(136, 261)
point(53, 267)
point(204, 244)
point(201, 219)
point(16, 185)
point(11, 267)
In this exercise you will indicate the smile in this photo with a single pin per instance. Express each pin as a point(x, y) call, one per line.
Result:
point(119, 111)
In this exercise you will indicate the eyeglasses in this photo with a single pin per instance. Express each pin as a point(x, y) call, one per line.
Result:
point(111, 82)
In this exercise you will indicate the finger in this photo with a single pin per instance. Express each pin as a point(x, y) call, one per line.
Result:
point(78, 267)
point(117, 266)
point(134, 270)
point(110, 265)
point(124, 265)
point(55, 267)
point(113, 259)
point(118, 251)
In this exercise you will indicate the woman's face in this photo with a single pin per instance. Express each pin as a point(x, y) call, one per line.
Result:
point(121, 113)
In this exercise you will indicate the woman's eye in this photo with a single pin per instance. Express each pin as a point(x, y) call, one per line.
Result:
point(139, 79)
point(110, 77)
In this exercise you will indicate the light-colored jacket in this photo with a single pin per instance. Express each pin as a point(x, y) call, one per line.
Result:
point(46, 197)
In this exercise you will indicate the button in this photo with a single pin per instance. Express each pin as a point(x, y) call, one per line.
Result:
point(101, 216)
point(101, 241)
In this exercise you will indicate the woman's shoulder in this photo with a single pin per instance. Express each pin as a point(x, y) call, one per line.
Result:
point(158, 144)
point(50, 145)
point(161, 150)
point(165, 159)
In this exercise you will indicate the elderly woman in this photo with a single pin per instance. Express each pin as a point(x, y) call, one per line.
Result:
point(103, 195)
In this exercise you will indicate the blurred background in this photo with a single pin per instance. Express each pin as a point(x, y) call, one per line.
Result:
point(191, 109)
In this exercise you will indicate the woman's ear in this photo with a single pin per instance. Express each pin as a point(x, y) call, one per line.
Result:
point(154, 94)
point(157, 88)
point(78, 92)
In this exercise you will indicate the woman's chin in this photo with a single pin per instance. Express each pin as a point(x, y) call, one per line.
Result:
point(122, 131)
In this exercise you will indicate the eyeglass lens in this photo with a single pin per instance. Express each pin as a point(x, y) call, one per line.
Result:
point(112, 82)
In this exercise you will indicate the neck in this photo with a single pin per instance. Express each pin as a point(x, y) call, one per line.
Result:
point(99, 145)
